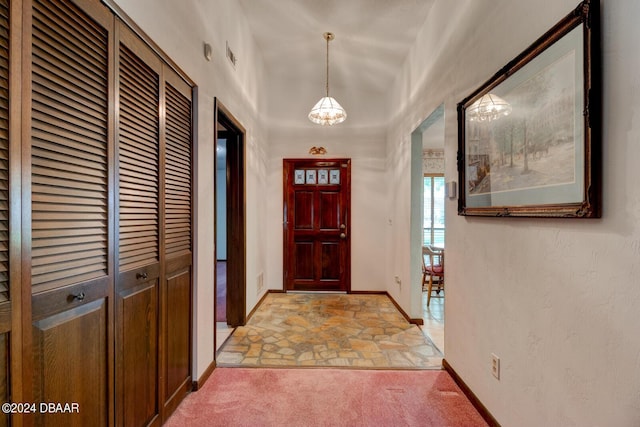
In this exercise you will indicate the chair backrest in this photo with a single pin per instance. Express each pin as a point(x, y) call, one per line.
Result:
point(436, 256)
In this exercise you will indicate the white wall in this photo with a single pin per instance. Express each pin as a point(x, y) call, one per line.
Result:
point(181, 28)
point(557, 300)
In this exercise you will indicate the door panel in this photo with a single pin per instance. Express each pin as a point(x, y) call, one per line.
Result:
point(178, 243)
point(303, 257)
point(330, 269)
point(4, 374)
point(71, 281)
point(139, 352)
point(70, 355)
point(330, 218)
point(177, 331)
point(303, 210)
point(69, 148)
point(138, 151)
point(139, 218)
point(7, 219)
point(316, 224)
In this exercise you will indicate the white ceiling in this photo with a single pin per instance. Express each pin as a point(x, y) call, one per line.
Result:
point(373, 38)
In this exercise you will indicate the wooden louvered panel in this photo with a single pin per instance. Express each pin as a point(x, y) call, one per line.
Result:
point(177, 173)
point(69, 147)
point(138, 162)
point(4, 152)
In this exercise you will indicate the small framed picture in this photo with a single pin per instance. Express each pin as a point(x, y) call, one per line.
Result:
point(323, 176)
point(311, 176)
point(298, 176)
point(334, 176)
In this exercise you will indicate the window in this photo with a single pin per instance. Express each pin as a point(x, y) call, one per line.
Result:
point(433, 228)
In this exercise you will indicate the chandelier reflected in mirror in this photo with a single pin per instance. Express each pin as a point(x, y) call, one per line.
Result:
point(327, 111)
point(488, 108)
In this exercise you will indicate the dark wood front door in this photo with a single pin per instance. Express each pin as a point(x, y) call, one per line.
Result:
point(317, 196)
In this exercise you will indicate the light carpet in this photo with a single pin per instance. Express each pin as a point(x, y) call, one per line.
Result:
point(327, 397)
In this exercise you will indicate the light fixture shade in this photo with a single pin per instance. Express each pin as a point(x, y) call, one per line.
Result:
point(327, 112)
point(488, 108)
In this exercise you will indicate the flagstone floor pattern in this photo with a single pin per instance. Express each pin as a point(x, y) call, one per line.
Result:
point(364, 331)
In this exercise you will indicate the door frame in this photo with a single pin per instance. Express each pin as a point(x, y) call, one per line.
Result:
point(417, 208)
point(236, 214)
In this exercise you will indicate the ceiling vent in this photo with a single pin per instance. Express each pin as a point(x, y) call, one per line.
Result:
point(231, 56)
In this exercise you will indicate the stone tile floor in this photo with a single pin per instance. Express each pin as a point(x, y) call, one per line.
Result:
point(363, 331)
point(433, 317)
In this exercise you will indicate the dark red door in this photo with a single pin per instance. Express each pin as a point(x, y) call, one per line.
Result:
point(317, 195)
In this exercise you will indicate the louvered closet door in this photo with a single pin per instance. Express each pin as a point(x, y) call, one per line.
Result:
point(139, 192)
point(71, 280)
point(5, 295)
point(178, 238)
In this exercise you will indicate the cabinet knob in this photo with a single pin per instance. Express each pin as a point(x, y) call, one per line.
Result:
point(79, 296)
point(141, 275)
point(343, 236)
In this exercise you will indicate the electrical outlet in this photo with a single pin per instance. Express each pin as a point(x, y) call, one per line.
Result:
point(495, 366)
point(398, 281)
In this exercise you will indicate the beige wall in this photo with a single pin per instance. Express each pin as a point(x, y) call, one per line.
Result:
point(556, 300)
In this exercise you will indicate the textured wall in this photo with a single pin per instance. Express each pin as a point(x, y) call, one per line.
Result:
point(557, 300)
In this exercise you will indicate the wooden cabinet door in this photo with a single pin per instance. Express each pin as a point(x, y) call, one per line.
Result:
point(177, 295)
point(71, 278)
point(316, 225)
point(139, 219)
point(10, 296)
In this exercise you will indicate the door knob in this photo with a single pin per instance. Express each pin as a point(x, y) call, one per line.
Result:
point(79, 296)
point(343, 236)
point(342, 226)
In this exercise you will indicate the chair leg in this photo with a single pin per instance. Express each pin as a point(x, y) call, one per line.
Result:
point(429, 290)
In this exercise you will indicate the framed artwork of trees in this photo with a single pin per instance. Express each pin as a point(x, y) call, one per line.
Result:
point(529, 139)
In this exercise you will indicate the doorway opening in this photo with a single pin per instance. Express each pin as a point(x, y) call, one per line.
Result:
point(428, 217)
point(230, 252)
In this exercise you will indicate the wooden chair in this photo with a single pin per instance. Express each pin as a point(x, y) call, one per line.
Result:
point(432, 266)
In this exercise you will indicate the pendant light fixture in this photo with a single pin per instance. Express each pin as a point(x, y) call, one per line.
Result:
point(488, 108)
point(327, 111)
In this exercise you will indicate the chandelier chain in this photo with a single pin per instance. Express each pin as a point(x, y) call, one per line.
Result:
point(327, 87)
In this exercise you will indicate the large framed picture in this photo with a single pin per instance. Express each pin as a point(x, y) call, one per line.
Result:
point(529, 139)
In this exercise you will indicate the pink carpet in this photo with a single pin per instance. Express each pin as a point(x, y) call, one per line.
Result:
point(326, 397)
